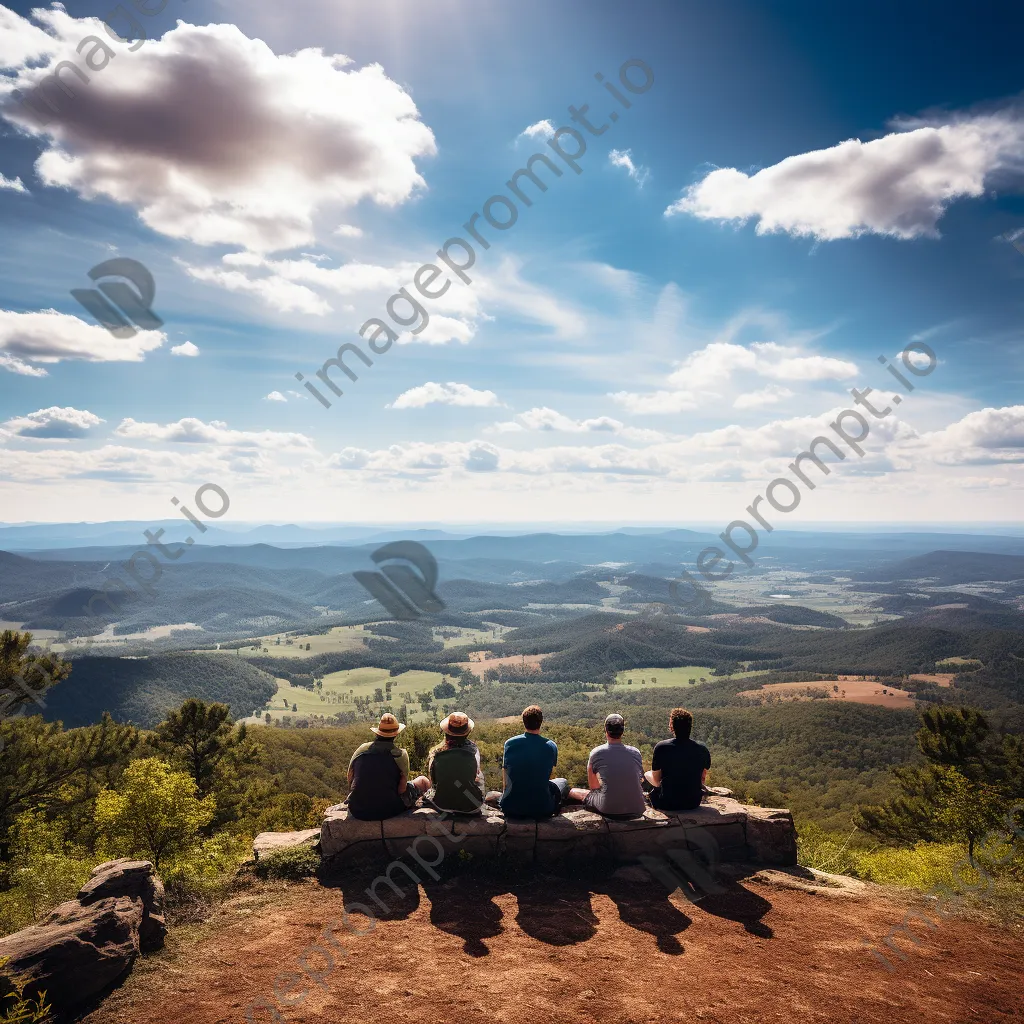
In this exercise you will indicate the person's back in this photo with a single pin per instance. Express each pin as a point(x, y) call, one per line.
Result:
point(454, 768)
point(679, 767)
point(620, 769)
point(378, 775)
point(530, 792)
point(376, 770)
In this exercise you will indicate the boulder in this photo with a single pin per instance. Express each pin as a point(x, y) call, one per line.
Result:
point(76, 953)
point(271, 842)
point(137, 880)
point(771, 836)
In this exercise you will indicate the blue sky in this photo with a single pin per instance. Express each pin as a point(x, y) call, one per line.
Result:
point(653, 340)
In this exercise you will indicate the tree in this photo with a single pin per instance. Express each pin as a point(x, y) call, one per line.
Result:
point(969, 782)
point(378, 695)
point(24, 677)
point(444, 689)
point(295, 708)
point(156, 812)
point(197, 738)
point(266, 718)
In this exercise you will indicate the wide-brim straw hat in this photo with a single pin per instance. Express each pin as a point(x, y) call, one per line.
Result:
point(457, 724)
point(388, 727)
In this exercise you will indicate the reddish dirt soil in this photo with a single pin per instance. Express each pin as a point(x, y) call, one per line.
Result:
point(548, 949)
point(858, 691)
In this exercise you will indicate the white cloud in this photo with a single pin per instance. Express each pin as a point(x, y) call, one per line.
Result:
point(348, 231)
point(987, 436)
point(21, 41)
point(55, 423)
point(624, 158)
point(49, 337)
point(214, 138)
point(194, 431)
point(771, 395)
point(443, 394)
point(12, 184)
point(274, 396)
point(655, 402)
point(440, 331)
point(899, 185)
point(539, 130)
point(186, 348)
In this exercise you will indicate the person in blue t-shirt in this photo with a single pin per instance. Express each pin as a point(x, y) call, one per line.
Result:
point(527, 762)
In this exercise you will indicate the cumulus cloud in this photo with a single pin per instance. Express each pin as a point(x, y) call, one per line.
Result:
point(451, 393)
point(899, 185)
point(194, 431)
point(12, 184)
point(55, 423)
point(987, 436)
point(539, 130)
point(440, 331)
point(274, 396)
point(186, 348)
point(771, 395)
point(713, 366)
point(214, 138)
point(348, 231)
point(49, 337)
point(624, 158)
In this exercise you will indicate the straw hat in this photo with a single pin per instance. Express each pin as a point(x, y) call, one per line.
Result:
point(457, 724)
point(388, 728)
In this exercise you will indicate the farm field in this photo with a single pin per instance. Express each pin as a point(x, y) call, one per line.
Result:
point(470, 636)
point(478, 664)
point(340, 638)
point(663, 678)
point(939, 678)
point(340, 689)
point(856, 691)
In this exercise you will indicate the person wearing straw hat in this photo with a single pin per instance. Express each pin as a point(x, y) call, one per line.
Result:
point(378, 775)
point(454, 768)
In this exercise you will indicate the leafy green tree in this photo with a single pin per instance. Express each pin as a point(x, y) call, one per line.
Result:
point(971, 778)
point(25, 677)
point(42, 767)
point(156, 812)
point(444, 689)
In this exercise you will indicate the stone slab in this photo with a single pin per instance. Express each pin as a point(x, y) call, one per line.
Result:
point(268, 842)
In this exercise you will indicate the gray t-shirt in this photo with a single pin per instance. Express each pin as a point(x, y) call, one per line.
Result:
point(620, 769)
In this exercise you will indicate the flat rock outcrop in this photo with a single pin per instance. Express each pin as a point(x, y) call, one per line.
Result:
point(85, 945)
point(271, 842)
point(722, 829)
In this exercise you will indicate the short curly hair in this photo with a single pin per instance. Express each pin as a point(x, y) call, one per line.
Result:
point(532, 717)
point(681, 722)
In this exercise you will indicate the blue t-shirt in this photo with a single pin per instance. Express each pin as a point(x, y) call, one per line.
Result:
point(528, 760)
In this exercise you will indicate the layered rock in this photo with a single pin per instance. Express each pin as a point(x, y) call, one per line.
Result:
point(85, 945)
point(722, 829)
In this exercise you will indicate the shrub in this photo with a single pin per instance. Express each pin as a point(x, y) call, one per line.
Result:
point(42, 871)
point(14, 1007)
point(294, 863)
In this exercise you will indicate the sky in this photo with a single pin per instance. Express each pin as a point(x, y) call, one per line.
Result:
point(746, 208)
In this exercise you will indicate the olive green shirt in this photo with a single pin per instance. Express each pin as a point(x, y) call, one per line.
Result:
point(400, 755)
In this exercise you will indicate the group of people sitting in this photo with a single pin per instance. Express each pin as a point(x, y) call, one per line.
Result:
point(380, 785)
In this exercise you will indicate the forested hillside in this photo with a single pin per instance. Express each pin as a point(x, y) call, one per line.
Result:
point(143, 690)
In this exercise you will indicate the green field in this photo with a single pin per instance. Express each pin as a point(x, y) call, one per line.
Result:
point(340, 689)
point(285, 645)
point(470, 636)
point(663, 678)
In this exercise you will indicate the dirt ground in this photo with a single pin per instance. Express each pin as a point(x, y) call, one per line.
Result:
point(858, 691)
point(939, 678)
point(551, 949)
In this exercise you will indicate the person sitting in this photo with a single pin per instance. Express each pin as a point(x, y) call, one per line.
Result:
point(454, 768)
point(527, 762)
point(378, 775)
point(679, 768)
point(615, 772)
